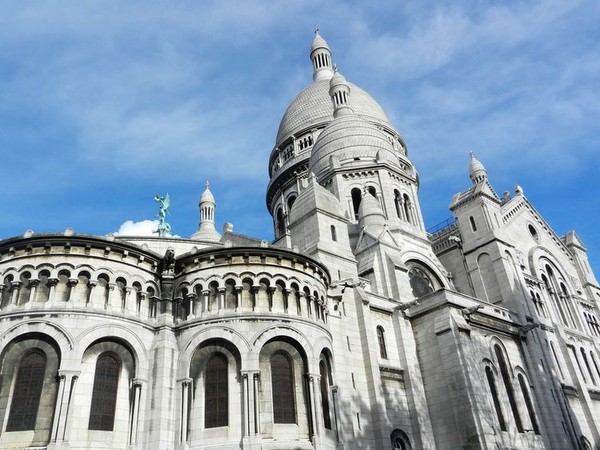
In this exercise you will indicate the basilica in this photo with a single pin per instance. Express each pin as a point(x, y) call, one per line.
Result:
point(355, 328)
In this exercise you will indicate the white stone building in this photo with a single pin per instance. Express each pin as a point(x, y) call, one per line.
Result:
point(354, 329)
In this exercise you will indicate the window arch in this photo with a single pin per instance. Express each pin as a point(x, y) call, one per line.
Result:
point(282, 385)
point(104, 393)
point(495, 399)
point(324, 384)
point(399, 440)
point(280, 222)
point(216, 395)
point(528, 403)
point(422, 280)
point(397, 203)
point(406, 203)
point(356, 199)
point(381, 341)
point(27, 392)
point(508, 386)
point(290, 201)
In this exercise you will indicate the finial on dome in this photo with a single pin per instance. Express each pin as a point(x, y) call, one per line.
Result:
point(320, 55)
point(206, 230)
point(477, 171)
point(207, 184)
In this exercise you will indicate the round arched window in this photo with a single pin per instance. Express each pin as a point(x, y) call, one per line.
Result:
point(422, 280)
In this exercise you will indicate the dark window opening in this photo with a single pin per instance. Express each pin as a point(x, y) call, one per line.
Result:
point(27, 392)
point(104, 394)
point(282, 384)
point(216, 398)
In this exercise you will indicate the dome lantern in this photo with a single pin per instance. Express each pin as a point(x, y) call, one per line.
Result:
point(320, 55)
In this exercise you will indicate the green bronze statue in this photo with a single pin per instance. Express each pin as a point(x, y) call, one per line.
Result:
point(163, 205)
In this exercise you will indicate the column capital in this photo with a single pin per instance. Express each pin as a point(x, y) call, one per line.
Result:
point(185, 382)
point(63, 373)
point(137, 382)
point(72, 282)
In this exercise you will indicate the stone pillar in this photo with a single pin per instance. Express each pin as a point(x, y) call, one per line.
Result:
point(256, 401)
point(300, 303)
point(14, 292)
point(220, 299)
point(336, 408)
point(71, 283)
point(254, 291)
point(286, 299)
point(191, 299)
point(186, 386)
point(33, 284)
point(205, 302)
point(238, 298)
point(92, 290)
point(136, 388)
point(52, 282)
point(270, 292)
point(128, 303)
point(111, 296)
point(66, 385)
point(315, 424)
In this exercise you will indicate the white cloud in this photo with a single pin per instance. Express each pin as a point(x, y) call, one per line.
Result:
point(142, 228)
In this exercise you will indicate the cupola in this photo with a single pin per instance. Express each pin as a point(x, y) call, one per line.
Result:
point(320, 55)
point(206, 230)
point(477, 171)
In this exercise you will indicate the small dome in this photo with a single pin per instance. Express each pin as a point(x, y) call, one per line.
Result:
point(477, 171)
point(351, 140)
point(207, 196)
point(318, 42)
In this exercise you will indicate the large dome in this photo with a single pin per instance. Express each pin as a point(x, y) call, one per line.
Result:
point(312, 107)
point(353, 141)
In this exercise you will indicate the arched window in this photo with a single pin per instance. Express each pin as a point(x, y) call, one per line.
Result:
point(280, 223)
point(372, 191)
point(325, 394)
point(104, 393)
point(381, 341)
point(399, 440)
point(216, 397)
point(528, 404)
point(407, 208)
point(356, 198)
point(508, 385)
point(587, 365)
point(27, 392)
point(333, 233)
point(397, 203)
point(290, 202)
point(282, 385)
point(496, 400)
point(422, 280)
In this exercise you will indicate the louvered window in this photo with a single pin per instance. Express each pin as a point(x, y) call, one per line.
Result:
point(27, 392)
point(282, 381)
point(104, 394)
point(216, 396)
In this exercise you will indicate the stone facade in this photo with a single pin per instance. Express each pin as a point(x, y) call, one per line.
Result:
point(354, 329)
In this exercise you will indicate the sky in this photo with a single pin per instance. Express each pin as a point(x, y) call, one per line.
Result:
point(104, 105)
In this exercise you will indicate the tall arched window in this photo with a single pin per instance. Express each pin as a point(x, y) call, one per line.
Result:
point(282, 386)
point(528, 404)
point(508, 385)
point(397, 203)
point(104, 393)
point(407, 208)
point(280, 223)
point(381, 341)
point(27, 392)
point(356, 198)
point(325, 394)
point(216, 397)
point(290, 202)
point(496, 400)
point(333, 233)
point(399, 440)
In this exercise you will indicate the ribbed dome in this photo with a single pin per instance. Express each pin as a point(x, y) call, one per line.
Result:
point(313, 107)
point(347, 138)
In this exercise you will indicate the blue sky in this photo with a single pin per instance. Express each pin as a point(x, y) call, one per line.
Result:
point(105, 104)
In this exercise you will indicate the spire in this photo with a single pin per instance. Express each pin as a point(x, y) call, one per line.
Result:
point(339, 91)
point(320, 55)
point(206, 230)
point(477, 172)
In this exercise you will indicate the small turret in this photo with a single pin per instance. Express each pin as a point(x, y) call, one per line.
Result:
point(339, 91)
point(320, 55)
point(477, 171)
point(370, 213)
point(207, 230)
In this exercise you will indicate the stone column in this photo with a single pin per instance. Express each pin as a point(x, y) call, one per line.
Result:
point(205, 302)
point(71, 283)
point(91, 291)
point(220, 299)
point(238, 298)
point(33, 284)
point(255, 401)
point(14, 292)
point(66, 385)
point(136, 387)
point(315, 425)
point(336, 408)
point(111, 296)
point(186, 385)
point(191, 299)
point(52, 282)
point(286, 299)
point(254, 291)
